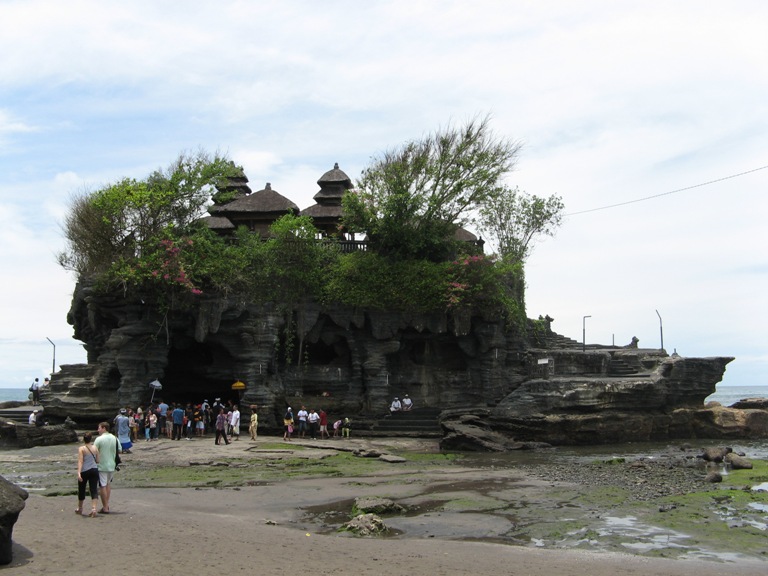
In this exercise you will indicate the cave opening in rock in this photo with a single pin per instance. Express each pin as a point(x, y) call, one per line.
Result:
point(422, 351)
point(198, 372)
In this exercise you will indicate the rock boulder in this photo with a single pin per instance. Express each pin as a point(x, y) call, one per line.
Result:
point(12, 502)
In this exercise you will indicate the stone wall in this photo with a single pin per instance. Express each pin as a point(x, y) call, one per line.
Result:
point(340, 358)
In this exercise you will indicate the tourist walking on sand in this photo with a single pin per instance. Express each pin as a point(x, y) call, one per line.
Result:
point(177, 417)
point(123, 430)
point(254, 426)
point(108, 448)
point(302, 419)
point(162, 417)
point(150, 425)
point(87, 474)
point(139, 417)
point(235, 422)
point(323, 425)
point(288, 424)
point(199, 418)
point(132, 424)
point(314, 422)
point(221, 427)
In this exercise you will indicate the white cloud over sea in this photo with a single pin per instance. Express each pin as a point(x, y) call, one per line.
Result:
point(614, 101)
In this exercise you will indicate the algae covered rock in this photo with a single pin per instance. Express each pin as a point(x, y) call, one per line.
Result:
point(366, 525)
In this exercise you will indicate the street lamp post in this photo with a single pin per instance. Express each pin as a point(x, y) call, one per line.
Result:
point(661, 330)
point(584, 333)
point(53, 367)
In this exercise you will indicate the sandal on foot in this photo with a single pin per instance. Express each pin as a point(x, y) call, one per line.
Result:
point(92, 514)
point(102, 511)
point(80, 512)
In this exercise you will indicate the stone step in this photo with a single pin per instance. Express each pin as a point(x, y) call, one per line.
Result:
point(618, 367)
point(19, 415)
point(389, 433)
point(416, 422)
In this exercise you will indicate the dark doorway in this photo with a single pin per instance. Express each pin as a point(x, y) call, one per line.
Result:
point(198, 372)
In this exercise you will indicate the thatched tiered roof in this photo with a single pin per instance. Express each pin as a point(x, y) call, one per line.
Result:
point(326, 213)
point(257, 211)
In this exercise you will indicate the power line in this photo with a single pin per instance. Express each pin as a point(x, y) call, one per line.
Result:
point(668, 193)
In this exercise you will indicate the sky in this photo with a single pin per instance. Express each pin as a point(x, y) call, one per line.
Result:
point(656, 108)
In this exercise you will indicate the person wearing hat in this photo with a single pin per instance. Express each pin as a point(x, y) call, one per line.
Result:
point(123, 430)
point(33, 418)
point(395, 406)
point(288, 424)
point(407, 403)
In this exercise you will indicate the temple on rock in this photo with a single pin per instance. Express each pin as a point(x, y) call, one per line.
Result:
point(522, 381)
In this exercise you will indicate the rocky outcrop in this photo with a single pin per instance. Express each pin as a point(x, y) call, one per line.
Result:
point(345, 360)
point(751, 403)
point(12, 502)
point(737, 461)
point(29, 436)
point(366, 525)
point(496, 390)
point(472, 433)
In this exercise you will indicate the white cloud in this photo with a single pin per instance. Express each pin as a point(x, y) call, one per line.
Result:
point(614, 102)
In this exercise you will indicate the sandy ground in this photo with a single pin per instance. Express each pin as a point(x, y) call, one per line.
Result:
point(258, 530)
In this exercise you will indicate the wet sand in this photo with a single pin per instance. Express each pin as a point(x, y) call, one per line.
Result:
point(262, 529)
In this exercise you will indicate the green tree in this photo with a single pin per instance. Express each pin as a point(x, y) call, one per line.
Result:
point(126, 218)
point(515, 219)
point(411, 200)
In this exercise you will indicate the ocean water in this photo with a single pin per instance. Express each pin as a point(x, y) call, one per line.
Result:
point(727, 395)
point(15, 394)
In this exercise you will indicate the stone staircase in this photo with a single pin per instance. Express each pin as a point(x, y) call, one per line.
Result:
point(619, 368)
point(560, 342)
point(419, 423)
point(552, 341)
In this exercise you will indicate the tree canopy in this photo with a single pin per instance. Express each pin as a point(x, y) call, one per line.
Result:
point(514, 219)
point(122, 219)
point(145, 235)
point(411, 200)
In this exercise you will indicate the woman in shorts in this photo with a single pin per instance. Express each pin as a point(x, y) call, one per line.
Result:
point(87, 474)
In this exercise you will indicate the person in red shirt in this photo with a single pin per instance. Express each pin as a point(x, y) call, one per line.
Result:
point(323, 425)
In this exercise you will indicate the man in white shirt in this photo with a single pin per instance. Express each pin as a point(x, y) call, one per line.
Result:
point(407, 403)
point(395, 406)
point(314, 419)
point(235, 423)
point(302, 416)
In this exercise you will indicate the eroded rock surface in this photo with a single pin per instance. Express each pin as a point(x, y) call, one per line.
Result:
point(498, 388)
point(12, 502)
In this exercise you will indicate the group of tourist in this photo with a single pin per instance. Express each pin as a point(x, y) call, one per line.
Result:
point(403, 405)
point(36, 387)
point(314, 423)
point(97, 460)
point(177, 420)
